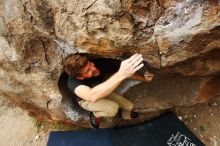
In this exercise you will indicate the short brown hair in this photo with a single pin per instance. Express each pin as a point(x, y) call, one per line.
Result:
point(74, 62)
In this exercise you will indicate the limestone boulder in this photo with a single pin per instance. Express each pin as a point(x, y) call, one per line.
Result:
point(179, 40)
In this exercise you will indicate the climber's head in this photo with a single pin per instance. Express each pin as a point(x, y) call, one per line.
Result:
point(79, 66)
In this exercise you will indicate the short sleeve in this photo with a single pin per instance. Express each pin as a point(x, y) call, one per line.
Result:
point(72, 83)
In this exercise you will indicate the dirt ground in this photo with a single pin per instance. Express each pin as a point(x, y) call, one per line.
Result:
point(18, 129)
point(203, 120)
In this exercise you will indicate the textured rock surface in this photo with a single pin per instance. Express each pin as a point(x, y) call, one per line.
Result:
point(173, 36)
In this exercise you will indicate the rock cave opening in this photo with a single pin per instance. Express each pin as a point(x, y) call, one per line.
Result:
point(166, 91)
point(69, 103)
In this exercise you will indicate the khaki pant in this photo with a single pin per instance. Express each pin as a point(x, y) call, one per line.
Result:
point(109, 106)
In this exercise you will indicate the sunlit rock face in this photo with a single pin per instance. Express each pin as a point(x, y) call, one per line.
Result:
point(179, 40)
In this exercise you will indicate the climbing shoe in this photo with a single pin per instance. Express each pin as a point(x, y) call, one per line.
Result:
point(93, 121)
point(133, 115)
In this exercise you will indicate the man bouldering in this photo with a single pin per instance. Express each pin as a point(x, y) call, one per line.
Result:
point(98, 96)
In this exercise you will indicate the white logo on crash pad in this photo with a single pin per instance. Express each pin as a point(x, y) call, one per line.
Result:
point(179, 140)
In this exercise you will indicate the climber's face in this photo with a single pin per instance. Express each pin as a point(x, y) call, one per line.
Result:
point(88, 71)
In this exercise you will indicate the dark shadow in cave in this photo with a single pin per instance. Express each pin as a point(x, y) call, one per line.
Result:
point(69, 105)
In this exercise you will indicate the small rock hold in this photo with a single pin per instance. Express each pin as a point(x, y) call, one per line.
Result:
point(215, 104)
point(181, 118)
point(213, 141)
point(37, 137)
point(195, 116)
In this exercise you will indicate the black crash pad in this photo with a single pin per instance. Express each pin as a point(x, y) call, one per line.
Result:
point(166, 130)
